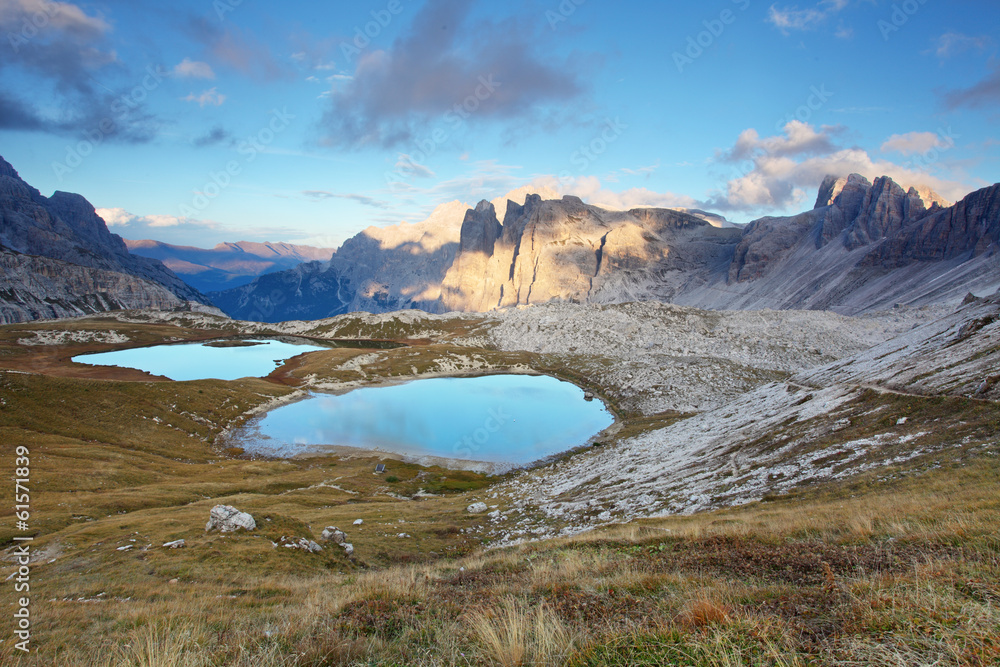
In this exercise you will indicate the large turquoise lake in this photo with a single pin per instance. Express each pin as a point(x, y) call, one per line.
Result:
point(502, 419)
point(204, 361)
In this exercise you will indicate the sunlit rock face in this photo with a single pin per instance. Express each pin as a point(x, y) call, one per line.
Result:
point(565, 250)
point(865, 246)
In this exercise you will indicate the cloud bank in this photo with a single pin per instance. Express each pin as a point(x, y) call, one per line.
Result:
point(445, 63)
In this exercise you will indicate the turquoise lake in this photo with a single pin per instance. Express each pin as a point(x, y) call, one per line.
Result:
point(201, 361)
point(500, 419)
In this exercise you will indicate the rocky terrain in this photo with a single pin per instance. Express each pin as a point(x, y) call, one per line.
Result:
point(660, 357)
point(33, 288)
point(828, 423)
point(864, 247)
point(60, 260)
point(797, 460)
point(227, 265)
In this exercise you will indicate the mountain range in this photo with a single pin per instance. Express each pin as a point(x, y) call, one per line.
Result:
point(60, 260)
point(227, 265)
point(864, 246)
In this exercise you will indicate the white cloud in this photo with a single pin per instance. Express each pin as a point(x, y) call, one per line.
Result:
point(407, 166)
point(116, 217)
point(792, 18)
point(799, 139)
point(61, 15)
point(953, 43)
point(119, 217)
point(210, 97)
point(783, 172)
point(189, 231)
point(193, 69)
point(641, 171)
point(592, 190)
point(843, 32)
point(365, 200)
point(913, 143)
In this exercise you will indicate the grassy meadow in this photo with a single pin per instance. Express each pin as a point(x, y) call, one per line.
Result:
point(884, 569)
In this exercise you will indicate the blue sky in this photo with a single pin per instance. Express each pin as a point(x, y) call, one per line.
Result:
point(196, 122)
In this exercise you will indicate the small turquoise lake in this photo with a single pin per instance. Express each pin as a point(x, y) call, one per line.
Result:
point(510, 420)
point(218, 360)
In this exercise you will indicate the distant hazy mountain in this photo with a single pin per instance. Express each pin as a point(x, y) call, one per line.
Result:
point(227, 265)
point(60, 260)
point(865, 246)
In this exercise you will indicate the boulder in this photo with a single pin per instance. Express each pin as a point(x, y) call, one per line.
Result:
point(476, 508)
point(228, 519)
point(176, 544)
point(333, 534)
point(300, 543)
point(348, 548)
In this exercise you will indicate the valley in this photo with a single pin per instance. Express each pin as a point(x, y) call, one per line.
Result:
point(788, 456)
point(452, 333)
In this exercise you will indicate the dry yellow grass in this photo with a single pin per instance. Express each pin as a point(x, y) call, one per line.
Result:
point(862, 572)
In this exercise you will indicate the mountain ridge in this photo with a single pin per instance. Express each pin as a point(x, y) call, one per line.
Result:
point(866, 245)
point(60, 260)
point(228, 264)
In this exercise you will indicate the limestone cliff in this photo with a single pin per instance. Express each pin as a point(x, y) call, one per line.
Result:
point(565, 250)
point(865, 246)
point(60, 259)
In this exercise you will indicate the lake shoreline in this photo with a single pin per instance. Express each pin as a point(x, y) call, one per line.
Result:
point(243, 435)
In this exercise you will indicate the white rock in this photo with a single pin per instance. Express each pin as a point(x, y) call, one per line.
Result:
point(348, 548)
point(228, 519)
point(300, 543)
point(333, 534)
point(476, 508)
point(358, 522)
point(176, 544)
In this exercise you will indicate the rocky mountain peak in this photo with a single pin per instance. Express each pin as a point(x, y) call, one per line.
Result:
point(885, 208)
point(833, 187)
point(61, 259)
point(480, 229)
point(929, 197)
point(6, 169)
point(828, 191)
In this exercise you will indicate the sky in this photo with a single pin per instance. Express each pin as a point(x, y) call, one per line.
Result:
point(201, 121)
